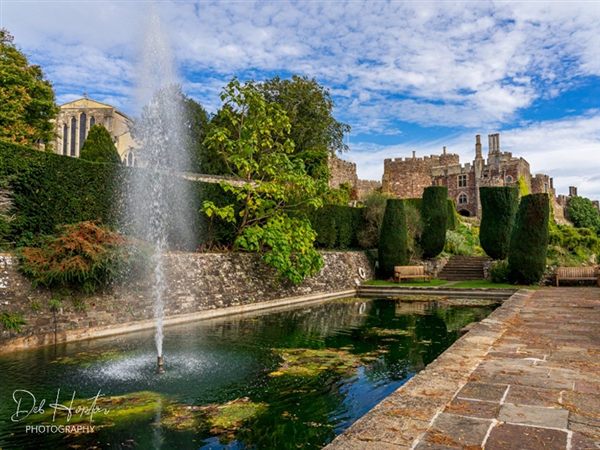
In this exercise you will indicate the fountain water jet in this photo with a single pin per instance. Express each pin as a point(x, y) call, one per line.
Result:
point(162, 153)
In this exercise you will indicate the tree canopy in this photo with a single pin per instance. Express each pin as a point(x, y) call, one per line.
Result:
point(270, 185)
point(99, 146)
point(313, 129)
point(26, 98)
point(583, 213)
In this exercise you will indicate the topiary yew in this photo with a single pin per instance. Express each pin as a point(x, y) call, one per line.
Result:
point(529, 240)
point(498, 211)
point(99, 146)
point(393, 238)
point(434, 215)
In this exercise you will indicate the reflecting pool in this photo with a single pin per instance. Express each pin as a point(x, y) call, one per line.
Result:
point(280, 380)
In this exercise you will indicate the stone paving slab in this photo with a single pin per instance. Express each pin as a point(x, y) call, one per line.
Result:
point(525, 378)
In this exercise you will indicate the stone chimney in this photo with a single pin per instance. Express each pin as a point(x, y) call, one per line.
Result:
point(477, 147)
point(414, 154)
point(444, 150)
point(494, 143)
point(572, 191)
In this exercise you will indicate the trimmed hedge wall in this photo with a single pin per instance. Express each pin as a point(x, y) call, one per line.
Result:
point(393, 238)
point(337, 226)
point(434, 215)
point(529, 240)
point(498, 211)
point(50, 190)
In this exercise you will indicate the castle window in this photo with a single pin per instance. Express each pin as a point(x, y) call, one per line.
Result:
point(82, 129)
point(73, 136)
point(65, 137)
point(545, 188)
point(462, 181)
point(508, 179)
point(462, 199)
point(92, 121)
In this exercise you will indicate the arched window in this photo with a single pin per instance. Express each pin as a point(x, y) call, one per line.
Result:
point(73, 136)
point(508, 179)
point(462, 199)
point(82, 129)
point(65, 137)
point(92, 121)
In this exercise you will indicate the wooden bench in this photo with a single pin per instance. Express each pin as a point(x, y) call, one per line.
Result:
point(577, 274)
point(404, 272)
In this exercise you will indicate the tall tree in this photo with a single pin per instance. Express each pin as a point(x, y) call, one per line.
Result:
point(26, 98)
point(498, 210)
point(270, 185)
point(529, 240)
point(99, 146)
point(434, 215)
point(392, 247)
point(313, 129)
point(196, 121)
point(582, 212)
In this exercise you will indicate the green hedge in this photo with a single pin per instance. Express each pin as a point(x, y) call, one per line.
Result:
point(434, 215)
point(337, 226)
point(453, 221)
point(529, 240)
point(498, 211)
point(50, 190)
point(392, 248)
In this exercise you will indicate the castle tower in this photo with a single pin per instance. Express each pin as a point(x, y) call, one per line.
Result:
point(494, 143)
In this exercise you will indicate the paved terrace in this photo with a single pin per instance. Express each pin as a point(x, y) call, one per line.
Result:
point(525, 378)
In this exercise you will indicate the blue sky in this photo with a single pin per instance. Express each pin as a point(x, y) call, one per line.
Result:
point(407, 76)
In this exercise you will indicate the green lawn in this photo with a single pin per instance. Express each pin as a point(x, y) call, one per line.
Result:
point(479, 284)
point(431, 283)
point(473, 284)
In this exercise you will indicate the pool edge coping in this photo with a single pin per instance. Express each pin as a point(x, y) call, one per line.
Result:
point(400, 420)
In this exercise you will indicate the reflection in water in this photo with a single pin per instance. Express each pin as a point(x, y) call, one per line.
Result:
point(355, 354)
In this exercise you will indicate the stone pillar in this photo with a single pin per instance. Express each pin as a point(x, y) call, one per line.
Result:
point(494, 143)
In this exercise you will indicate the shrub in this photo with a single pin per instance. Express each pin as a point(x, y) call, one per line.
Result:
point(453, 217)
point(434, 215)
point(571, 246)
point(498, 211)
point(583, 214)
point(99, 146)
point(529, 240)
point(393, 239)
point(499, 272)
point(414, 227)
point(84, 255)
point(372, 215)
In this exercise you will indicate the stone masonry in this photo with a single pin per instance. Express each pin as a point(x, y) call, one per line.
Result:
point(196, 282)
point(345, 172)
point(407, 177)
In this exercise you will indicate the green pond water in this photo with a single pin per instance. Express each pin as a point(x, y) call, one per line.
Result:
point(280, 380)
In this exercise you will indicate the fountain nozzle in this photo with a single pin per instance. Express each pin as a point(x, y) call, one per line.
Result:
point(160, 365)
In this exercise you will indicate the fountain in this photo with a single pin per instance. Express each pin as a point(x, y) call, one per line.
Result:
point(159, 130)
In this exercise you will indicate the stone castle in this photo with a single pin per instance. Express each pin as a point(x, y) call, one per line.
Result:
point(407, 177)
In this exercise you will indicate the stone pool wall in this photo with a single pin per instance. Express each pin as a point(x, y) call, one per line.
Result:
point(196, 282)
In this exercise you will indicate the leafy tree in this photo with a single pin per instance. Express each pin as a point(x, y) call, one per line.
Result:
point(583, 214)
point(313, 129)
point(196, 121)
point(373, 211)
point(498, 210)
point(99, 146)
point(393, 239)
point(26, 99)
point(434, 216)
point(529, 240)
point(269, 185)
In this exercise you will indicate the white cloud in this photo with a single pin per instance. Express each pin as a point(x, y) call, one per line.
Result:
point(568, 150)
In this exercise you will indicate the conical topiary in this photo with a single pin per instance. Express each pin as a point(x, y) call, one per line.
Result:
point(498, 211)
point(434, 215)
point(392, 240)
point(529, 240)
point(99, 146)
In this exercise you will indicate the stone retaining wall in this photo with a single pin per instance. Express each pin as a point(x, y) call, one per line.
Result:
point(195, 282)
